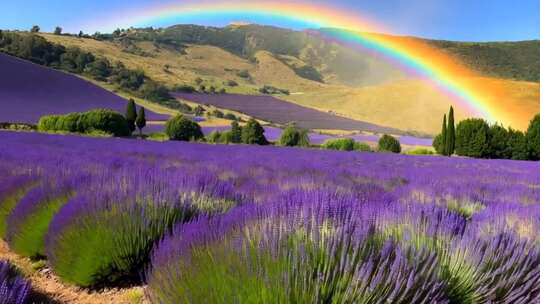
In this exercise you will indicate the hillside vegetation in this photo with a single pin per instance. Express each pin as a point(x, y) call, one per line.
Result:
point(318, 74)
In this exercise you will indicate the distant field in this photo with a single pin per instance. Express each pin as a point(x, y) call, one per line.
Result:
point(271, 109)
point(29, 91)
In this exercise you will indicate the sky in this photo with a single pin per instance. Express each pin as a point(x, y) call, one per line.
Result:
point(462, 20)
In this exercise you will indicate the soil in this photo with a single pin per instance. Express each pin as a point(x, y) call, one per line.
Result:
point(48, 288)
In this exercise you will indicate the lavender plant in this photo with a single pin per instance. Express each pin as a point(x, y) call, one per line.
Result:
point(13, 288)
point(29, 221)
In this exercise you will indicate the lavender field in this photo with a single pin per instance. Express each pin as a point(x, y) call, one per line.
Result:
point(248, 224)
point(282, 112)
point(29, 91)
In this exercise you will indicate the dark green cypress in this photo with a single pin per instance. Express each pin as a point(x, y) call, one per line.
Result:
point(236, 132)
point(141, 120)
point(442, 148)
point(450, 146)
point(131, 114)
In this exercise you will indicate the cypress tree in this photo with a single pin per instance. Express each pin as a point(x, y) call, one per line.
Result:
point(236, 132)
point(450, 146)
point(141, 120)
point(131, 114)
point(442, 147)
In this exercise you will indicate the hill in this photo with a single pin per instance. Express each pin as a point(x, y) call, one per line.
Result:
point(320, 75)
point(28, 91)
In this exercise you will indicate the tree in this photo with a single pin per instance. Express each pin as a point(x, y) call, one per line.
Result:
point(517, 144)
point(389, 143)
point(472, 138)
point(198, 111)
point(81, 34)
point(450, 140)
point(499, 142)
point(292, 136)
point(533, 138)
point(58, 30)
point(131, 114)
point(253, 133)
point(35, 29)
point(181, 128)
point(141, 120)
point(441, 148)
point(236, 133)
point(438, 144)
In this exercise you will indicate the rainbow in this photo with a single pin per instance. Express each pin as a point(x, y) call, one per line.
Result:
point(447, 74)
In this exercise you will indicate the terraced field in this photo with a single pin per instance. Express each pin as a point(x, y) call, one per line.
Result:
point(271, 109)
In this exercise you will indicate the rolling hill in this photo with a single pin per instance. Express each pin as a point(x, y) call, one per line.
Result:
point(319, 75)
point(28, 91)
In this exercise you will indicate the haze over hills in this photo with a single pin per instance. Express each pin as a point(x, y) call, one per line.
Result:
point(318, 73)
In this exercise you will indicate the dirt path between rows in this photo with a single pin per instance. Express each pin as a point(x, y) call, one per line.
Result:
point(47, 288)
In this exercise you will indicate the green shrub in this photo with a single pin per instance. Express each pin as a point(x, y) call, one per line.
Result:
point(420, 151)
point(389, 143)
point(362, 147)
point(230, 116)
point(104, 120)
point(214, 137)
point(182, 128)
point(293, 136)
point(100, 120)
point(68, 122)
point(340, 144)
point(253, 133)
point(48, 123)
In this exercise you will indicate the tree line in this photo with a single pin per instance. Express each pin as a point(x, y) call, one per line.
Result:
point(475, 137)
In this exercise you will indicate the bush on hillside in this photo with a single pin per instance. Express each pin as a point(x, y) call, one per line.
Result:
point(362, 147)
point(270, 90)
point(309, 72)
point(293, 136)
point(389, 143)
point(103, 120)
point(182, 128)
point(184, 88)
point(420, 151)
point(472, 138)
point(96, 120)
point(253, 133)
point(340, 144)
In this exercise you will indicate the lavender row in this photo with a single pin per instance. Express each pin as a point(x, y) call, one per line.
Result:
point(273, 224)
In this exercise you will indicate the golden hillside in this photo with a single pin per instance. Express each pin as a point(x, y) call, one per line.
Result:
point(406, 104)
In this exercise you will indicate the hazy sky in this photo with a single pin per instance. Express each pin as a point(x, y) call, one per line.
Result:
point(469, 20)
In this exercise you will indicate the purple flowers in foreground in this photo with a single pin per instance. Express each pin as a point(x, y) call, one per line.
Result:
point(13, 288)
point(243, 224)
